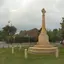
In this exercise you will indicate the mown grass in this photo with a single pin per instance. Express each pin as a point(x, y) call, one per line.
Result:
point(7, 57)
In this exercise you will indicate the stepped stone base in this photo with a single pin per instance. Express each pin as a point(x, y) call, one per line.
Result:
point(42, 49)
point(43, 45)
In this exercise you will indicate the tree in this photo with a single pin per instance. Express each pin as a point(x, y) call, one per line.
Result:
point(54, 35)
point(1, 35)
point(8, 32)
point(62, 28)
point(50, 34)
point(12, 30)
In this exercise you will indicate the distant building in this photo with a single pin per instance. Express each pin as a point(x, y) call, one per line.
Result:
point(30, 33)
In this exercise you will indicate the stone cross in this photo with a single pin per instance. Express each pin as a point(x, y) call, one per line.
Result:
point(43, 20)
point(43, 11)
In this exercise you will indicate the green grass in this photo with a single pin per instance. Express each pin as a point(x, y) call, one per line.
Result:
point(18, 57)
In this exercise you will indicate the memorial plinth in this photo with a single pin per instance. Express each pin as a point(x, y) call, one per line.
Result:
point(43, 45)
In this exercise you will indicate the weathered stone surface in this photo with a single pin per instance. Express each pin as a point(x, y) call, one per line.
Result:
point(43, 45)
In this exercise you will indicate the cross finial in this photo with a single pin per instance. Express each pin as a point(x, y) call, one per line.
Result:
point(43, 11)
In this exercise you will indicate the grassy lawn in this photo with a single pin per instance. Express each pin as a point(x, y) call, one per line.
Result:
point(6, 57)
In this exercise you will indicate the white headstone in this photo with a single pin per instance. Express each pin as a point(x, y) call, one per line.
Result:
point(12, 49)
point(25, 54)
point(57, 53)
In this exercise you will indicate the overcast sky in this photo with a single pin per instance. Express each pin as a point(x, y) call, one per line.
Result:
point(26, 14)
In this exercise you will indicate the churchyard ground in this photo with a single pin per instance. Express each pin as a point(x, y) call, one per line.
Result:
point(6, 57)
